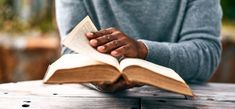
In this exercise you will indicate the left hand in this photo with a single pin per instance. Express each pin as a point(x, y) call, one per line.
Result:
point(114, 42)
point(119, 85)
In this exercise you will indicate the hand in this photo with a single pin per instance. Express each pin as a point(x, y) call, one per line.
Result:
point(116, 43)
point(119, 85)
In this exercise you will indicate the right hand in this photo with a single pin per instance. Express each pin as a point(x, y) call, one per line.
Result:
point(116, 43)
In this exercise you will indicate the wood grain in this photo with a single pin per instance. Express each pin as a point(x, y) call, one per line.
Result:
point(72, 96)
point(185, 104)
point(35, 102)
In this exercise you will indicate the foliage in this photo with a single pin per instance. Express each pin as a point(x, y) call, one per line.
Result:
point(228, 9)
point(10, 22)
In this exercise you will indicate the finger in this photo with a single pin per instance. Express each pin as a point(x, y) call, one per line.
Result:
point(100, 33)
point(103, 32)
point(93, 35)
point(117, 86)
point(121, 84)
point(117, 34)
point(89, 35)
point(112, 29)
point(107, 87)
point(121, 51)
point(108, 47)
point(104, 39)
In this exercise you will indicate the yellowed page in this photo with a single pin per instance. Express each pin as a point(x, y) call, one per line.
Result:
point(77, 42)
point(164, 71)
point(69, 61)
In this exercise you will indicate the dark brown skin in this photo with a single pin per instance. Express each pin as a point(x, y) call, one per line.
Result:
point(114, 42)
point(119, 85)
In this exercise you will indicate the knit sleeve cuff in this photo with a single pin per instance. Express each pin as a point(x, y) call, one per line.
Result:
point(158, 52)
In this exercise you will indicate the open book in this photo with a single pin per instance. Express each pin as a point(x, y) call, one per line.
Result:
point(92, 66)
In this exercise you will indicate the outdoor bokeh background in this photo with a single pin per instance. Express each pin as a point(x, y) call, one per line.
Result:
point(29, 40)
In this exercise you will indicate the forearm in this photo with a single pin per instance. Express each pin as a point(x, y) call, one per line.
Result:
point(193, 60)
point(196, 53)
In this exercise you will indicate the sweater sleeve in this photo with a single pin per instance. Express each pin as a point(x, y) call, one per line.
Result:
point(66, 19)
point(197, 53)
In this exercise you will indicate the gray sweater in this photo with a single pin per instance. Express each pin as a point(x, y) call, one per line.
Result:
point(180, 34)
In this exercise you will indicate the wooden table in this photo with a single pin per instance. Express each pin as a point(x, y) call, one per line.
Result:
point(36, 95)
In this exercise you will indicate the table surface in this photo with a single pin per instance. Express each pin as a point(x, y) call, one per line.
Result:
point(36, 95)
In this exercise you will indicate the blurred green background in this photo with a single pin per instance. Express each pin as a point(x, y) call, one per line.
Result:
point(29, 36)
point(22, 15)
point(228, 10)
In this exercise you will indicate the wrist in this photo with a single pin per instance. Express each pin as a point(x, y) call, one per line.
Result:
point(142, 50)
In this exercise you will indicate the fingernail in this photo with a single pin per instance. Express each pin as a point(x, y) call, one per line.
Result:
point(93, 42)
point(101, 48)
point(115, 53)
point(89, 34)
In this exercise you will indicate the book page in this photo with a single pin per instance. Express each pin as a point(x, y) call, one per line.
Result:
point(164, 71)
point(77, 41)
point(69, 61)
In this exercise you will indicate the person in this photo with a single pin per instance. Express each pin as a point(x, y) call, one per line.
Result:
point(179, 34)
